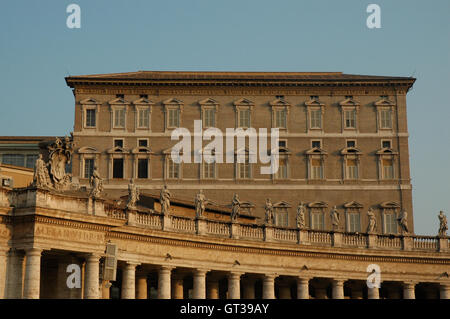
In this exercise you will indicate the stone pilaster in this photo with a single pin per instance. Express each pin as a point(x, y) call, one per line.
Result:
point(269, 286)
point(32, 282)
point(338, 289)
point(2, 272)
point(164, 283)
point(141, 286)
point(408, 290)
point(199, 284)
point(213, 288)
point(91, 286)
point(129, 281)
point(444, 291)
point(303, 288)
point(234, 287)
point(373, 293)
point(14, 280)
point(177, 287)
point(248, 286)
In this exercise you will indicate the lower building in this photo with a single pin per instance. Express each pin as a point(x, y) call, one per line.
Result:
point(68, 244)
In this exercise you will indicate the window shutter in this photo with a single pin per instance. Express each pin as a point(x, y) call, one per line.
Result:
point(110, 264)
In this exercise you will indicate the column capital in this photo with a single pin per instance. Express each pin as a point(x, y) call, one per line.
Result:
point(201, 271)
point(33, 251)
point(131, 264)
point(235, 274)
point(338, 281)
point(270, 276)
point(303, 279)
point(409, 284)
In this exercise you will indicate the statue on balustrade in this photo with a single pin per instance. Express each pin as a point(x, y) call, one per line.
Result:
point(443, 227)
point(371, 227)
point(41, 178)
point(334, 218)
point(403, 222)
point(133, 195)
point(235, 207)
point(164, 200)
point(200, 204)
point(96, 183)
point(301, 216)
point(269, 212)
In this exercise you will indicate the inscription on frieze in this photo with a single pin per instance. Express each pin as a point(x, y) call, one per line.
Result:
point(69, 234)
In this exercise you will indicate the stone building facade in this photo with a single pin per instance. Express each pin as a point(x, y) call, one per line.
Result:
point(343, 140)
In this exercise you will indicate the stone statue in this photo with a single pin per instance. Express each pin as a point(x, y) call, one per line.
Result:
point(334, 217)
point(235, 207)
point(164, 200)
point(301, 216)
point(133, 195)
point(200, 203)
point(403, 221)
point(96, 184)
point(372, 221)
point(269, 212)
point(443, 227)
point(41, 178)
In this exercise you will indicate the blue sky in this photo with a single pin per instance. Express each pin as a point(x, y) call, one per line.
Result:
point(37, 51)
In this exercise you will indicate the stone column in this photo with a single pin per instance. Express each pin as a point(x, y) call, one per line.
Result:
point(303, 288)
point(408, 290)
point(213, 289)
point(199, 284)
point(373, 293)
point(338, 289)
point(269, 286)
point(141, 286)
point(164, 282)
point(249, 288)
point(177, 287)
point(129, 281)
point(445, 291)
point(234, 287)
point(32, 280)
point(91, 277)
point(15, 268)
point(2, 272)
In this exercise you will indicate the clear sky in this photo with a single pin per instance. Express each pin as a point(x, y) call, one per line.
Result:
point(37, 51)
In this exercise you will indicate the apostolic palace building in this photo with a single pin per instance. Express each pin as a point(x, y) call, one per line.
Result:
point(110, 214)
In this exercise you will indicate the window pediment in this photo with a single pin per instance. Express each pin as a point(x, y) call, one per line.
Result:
point(279, 102)
point(353, 204)
point(143, 101)
point(282, 150)
point(318, 204)
point(243, 102)
point(282, 204)
point(244, 150)
point(316, 151)
point(208, 101)
point(314, 102)
point(141, 150)
point(351, 151)
point(90, 100)
point(349, 102)
point(87, 150)
point(173, 101)
point(118, 101)
point(384, 102)
point(117, 150)
point(386, 151)
point(389, 204)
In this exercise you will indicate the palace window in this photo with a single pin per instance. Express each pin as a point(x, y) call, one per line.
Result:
point(390, 223)
point(90, 118)
point(209, 170)
point(174, 118)
point(31, 161)
point(350, 118)
point(316, 119)
point(351, 143)
point(386, 119)
point(118, 168)
point(244, 169)
point(88, 167)
point(280, 118)
point(173, 169)
point(317, 220)
point(118, 143)
point(316, 169)
point(209, 115)
point(119, 118)
point(143, 118)
point(14, 159)
point(386, 144)
point(142, 168)
point(244, 118)
point(388, 168)
point(143, 142)
point(354, 223)
point(282, 172)
point(351, 168)
point(281, 216)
